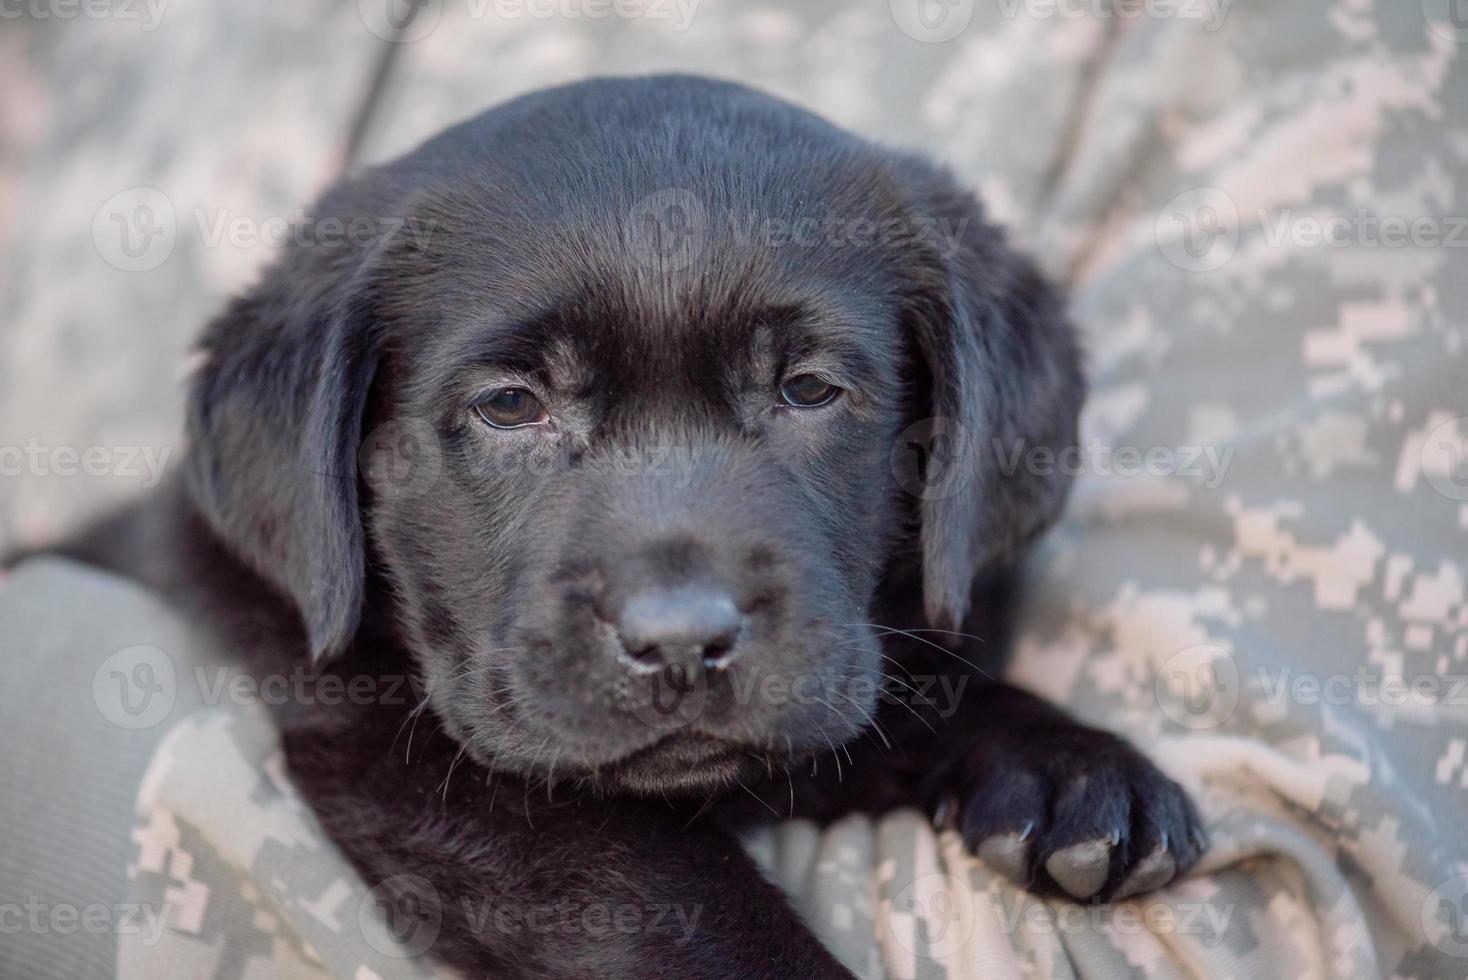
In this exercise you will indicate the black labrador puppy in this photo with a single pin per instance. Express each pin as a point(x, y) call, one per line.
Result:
point(667, 435)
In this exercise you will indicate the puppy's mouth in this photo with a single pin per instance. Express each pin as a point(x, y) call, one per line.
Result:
point(678, 762)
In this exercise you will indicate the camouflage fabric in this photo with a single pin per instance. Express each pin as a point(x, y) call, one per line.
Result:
point(1259, 209)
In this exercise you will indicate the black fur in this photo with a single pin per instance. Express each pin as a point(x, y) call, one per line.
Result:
point(344, 506)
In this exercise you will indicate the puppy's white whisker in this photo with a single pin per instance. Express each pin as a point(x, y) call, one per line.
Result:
point(935, 646)
point(450, 774)
point(412, 716)
point(830, 744)
point(922, 629)
point(869, 717)
point(550, 777)
point(757, 797)
point(917, 694)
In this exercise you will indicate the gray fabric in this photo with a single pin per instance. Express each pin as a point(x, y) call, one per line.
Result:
point(214, 120)
point(82, 710)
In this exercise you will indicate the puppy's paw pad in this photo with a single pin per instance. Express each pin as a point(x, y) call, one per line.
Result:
point(1150, 873)
point(1008, 854)
point(1082, 869)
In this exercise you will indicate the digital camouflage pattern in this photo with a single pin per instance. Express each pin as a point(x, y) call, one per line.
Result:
point(1259, 209)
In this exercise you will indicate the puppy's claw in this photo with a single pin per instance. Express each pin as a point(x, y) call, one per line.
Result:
point(945, 814)
point(1009, 854)
point(1081, 869)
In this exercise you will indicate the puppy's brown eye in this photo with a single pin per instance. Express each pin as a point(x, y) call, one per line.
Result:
point(511, 408)
point(807, 391)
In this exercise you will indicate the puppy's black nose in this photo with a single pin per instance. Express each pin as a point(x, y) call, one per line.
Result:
point(692, 626)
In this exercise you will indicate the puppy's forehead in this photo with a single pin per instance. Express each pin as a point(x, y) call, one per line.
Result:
point(674, 271)
point(609, 339)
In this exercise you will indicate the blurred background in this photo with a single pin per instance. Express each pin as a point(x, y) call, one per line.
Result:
point(1259, 209)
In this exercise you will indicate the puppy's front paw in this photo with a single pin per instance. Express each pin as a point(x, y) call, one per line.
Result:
point(1060, 808)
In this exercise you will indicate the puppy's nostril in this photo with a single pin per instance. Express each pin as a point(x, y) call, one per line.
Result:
point(679, 626)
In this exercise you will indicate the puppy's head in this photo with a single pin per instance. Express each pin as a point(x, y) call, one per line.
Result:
point(628, 396)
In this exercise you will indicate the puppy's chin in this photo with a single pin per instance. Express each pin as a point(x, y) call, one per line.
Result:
point(678, 764)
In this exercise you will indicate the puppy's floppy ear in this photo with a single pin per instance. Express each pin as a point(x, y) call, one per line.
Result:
point(1005, 375)
point(275, 419)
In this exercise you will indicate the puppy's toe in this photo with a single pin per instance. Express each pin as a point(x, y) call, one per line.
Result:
point(1003, 809)
point(1167, 834)
point(1008, 854)
point(1151, 873)
point(1081, 869)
